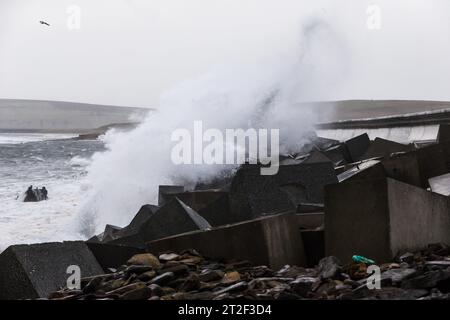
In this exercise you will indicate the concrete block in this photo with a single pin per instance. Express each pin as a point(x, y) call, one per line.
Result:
point(273, 241)
point(144, 213)
point(165, 192)
point(444, 133)
point(34, 271)
point(111, 232)
point(317, 157)
point(357, 146)
point(404, 167)
point(173, 218)
point(252, 194)
point(338, 154)
point(384, 148)
point(111, 255)
point(381, 218)
point(440, 184)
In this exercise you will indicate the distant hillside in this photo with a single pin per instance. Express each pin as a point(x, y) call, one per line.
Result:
point(58, 116)
point(359, 109)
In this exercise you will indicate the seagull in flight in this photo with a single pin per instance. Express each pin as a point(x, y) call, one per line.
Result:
point(43, 22)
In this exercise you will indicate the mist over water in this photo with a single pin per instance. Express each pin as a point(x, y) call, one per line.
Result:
point(261, 94)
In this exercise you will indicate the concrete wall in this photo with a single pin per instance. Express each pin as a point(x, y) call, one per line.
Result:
point(356, 220)
point(417, 217)
point(383, 217)
point(273, 241)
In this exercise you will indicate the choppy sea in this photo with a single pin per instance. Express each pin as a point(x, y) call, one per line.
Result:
point(51, 160)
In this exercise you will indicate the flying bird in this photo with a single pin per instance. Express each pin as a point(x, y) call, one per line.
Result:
point(43, 22)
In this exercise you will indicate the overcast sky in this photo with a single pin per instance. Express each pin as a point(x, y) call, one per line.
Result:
point(127, 52)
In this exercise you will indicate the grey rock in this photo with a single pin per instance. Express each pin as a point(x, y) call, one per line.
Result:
point(329, 267)
point(163, 278)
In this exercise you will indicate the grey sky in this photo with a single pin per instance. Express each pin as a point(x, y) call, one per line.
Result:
point(128, 52)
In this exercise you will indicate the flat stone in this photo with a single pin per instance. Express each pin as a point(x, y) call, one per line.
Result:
point(156, 289)
point(211, 275)
point(168, 256)
point(145, 259)
point(427, 280)
point(130, 287)
point(147, 276)
point(177, 269)
point(407, 257)
point(141, 293)
point(303, 285)
point(443, 263)
point(398, 275)
point(163, 278)
point(138, 269)
point(240, 286)
point(231, 277)
point(329, 267)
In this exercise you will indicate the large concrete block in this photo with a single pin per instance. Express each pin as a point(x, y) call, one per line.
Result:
point(357, 146)
point(253, 194)
point(273, 241)
point(384, 148)
point(338, 154)
point(404, 167)
point(212, 205)
point(165, 192)
point(111, 255)
point(381, 218)
point(34, 271)
point(434, 160)
point(144, 213)
point(173, 218)
point(317, 157)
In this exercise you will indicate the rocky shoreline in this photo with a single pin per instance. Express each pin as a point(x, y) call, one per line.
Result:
point(335, 217)
point(424, 275)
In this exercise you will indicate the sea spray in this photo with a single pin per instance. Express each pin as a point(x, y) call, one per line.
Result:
point(258, 95)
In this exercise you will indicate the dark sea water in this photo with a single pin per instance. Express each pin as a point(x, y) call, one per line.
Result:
point(40, 160)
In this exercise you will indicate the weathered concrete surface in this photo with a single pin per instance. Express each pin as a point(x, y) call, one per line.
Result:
point(404, 167)
point(382, 217)
point(171, 219)
point(338, 154)
point(165, 192)
point(384, 148)
point(34, 271)
point(357, 146)
point(253, 194)
point(111, 255)
point(111, 232)
point(212, 205)
point(273, 241)
point(440, 184)
point(144, 213)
